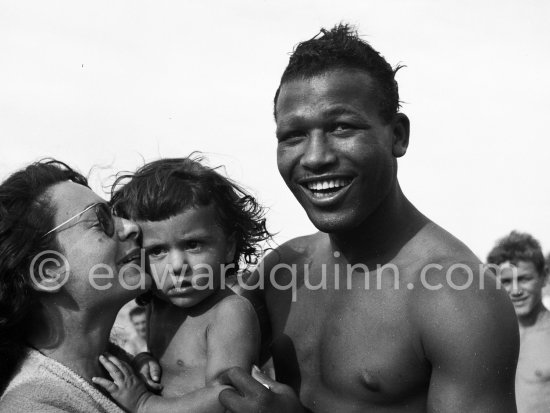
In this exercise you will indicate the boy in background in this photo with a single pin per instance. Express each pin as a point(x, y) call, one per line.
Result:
point(523, 273)
point(137, 343)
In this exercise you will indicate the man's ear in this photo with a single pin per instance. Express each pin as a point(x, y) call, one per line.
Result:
point(231, 248)
point(401, 129)
point(48, 277)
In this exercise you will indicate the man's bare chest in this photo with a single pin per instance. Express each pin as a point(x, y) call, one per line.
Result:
point(534, 357)
point(352, 341)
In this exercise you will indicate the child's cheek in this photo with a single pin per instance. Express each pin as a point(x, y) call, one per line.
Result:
point(203, 280)
point(160, 274)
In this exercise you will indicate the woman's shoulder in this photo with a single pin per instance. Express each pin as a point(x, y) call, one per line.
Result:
point(27, 397)
point(30, 389)
point(42, 384)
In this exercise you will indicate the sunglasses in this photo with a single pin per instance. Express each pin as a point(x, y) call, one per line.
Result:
point(104, 218)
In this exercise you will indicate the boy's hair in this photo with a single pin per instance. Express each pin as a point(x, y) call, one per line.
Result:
point(164, 188)
point(136, 311)
point(342, 48)
point(515, 247)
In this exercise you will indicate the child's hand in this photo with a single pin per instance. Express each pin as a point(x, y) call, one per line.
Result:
point(128, 390)
point(149, 369)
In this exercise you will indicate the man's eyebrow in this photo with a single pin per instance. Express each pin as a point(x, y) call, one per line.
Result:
point(340, 110)
point(328, 113)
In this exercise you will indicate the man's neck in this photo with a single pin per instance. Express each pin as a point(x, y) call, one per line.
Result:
point(383, 233)
point(75, 338)
point(531, 320)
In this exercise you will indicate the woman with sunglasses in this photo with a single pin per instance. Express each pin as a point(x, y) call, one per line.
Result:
point(66, 267)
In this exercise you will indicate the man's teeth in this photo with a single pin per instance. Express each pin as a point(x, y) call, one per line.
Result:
point(331, 184)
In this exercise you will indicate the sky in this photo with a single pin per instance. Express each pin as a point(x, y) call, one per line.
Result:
point(108, 85)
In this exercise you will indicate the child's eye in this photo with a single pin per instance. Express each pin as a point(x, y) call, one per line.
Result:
point(156, 251)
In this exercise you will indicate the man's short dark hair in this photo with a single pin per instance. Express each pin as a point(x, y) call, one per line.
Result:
point(515, 247)
point(137, 311)
point(342, 48)
point(167, 187)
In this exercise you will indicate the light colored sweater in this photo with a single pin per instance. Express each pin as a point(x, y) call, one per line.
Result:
point(43, 385)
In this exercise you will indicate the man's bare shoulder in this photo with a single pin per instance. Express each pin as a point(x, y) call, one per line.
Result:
point(434, 245)
point(542, 326)
point(297, 250)
point(452, 286)
point(457, 304)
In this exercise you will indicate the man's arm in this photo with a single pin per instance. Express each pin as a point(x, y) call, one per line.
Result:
point(233, 337)
point(257, 393)
point(470, 337)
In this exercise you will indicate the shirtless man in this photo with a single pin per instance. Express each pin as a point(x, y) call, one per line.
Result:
point(428, 345)
point(519, 255)
point(137, 343)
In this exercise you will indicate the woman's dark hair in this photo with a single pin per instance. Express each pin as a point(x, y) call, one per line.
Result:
point(167, 187)
point(26, 215)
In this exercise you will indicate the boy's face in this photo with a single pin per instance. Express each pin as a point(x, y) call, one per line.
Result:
point(186, 253)
point(524, 284)
point(140, 324)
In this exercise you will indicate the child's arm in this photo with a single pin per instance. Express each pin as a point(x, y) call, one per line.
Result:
point(233, 338)
point(149, 369)
point(129, 391)
point(144, 363)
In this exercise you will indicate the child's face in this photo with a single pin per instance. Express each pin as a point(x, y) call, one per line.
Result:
point(186, 253)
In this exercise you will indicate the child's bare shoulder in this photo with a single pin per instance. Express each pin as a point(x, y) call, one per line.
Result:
point(233, 305)
point(235, 312)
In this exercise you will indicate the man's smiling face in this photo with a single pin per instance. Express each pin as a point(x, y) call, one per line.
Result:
point(524, 285)
point(334, 150)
